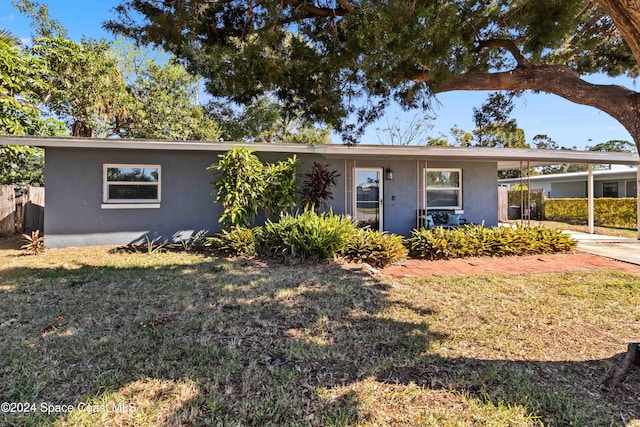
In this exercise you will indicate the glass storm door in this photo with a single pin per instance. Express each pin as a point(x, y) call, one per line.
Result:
point(368, 192)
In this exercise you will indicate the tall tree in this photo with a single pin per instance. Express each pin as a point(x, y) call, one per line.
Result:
point(101, 90)
point(88, 90)
point(544, 142)
point(21, 82)
point(266, 120)
point(494, 125)
point(615, 145)
point(164, 98)
point(411, 132)
point(461, 137)
point(349, 58)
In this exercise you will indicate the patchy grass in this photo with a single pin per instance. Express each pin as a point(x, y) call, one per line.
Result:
point(182, 339)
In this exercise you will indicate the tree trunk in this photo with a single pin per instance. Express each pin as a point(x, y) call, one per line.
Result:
point(619, 102)
point(626, 16)
point(80, 129)
point(631, 357)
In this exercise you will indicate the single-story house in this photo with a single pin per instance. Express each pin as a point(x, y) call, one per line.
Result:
point(113, 191)
point(616, 183)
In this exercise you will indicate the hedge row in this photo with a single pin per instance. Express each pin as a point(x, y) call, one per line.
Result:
point(476, 240)
point(326, 236)
point(611, 212)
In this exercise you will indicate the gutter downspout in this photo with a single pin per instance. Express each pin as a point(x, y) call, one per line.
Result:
point(590, 198)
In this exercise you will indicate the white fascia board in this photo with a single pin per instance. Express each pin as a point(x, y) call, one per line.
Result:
point(578, 176)
point(506, 158)
point(138, 144)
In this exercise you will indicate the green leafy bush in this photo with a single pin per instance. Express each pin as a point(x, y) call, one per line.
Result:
point(243, 186)
point(306, 236)
point(610, 212)
point(281, 190)
point(237, 241)
point(374, 247)
point(239, 185)
point(476, 240)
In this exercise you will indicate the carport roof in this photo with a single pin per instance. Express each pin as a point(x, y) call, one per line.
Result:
point(506, 158)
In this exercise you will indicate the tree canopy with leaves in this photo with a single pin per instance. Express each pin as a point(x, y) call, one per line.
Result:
point(494, 125)
point(104, 89)
point(22, 79)
point(264, 120)
point(344, 60)
point(163, 95)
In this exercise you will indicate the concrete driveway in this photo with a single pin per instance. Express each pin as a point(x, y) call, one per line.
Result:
point(619, 248)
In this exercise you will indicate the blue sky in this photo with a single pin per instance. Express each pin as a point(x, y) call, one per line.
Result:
point(567, 123)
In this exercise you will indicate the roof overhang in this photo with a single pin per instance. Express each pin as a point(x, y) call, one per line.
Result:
point(506, 158)
point(629, 173)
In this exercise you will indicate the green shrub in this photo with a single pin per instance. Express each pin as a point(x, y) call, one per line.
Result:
point(611, 212)
point(243, 185)
point(476, 240)
point(239, 185)
point(237, 241)
point(281, 191)
point(374, 247)
point(621, 212)
point(306, 236)
point(566, 209)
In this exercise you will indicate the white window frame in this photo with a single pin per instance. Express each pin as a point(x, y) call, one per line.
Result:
point(129, 203)
point(435, 189)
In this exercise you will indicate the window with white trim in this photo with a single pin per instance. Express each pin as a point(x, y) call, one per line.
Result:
point(131, 186)
point(443, 188)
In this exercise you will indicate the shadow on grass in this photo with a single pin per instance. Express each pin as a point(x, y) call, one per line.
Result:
point(244, 343)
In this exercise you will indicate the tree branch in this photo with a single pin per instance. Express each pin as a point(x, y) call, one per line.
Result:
point(313, 11)
point(304, 11)
point(625, 14)
point(619, 102)
point(508, 45)
point(346, 6)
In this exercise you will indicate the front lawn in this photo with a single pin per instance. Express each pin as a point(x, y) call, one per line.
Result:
point(100, 337)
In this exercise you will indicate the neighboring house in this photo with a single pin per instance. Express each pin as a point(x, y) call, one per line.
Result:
point(126, 191)
point(606, 183)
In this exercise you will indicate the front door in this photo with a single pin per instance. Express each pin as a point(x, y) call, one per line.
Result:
point(368, 209)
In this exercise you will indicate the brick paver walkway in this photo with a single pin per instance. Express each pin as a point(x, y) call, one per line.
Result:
point(508, 265)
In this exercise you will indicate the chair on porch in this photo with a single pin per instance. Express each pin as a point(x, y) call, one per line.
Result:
point(446, 218)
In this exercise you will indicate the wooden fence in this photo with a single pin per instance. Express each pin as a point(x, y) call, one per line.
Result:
point(503, 204)
point(516, 205)
point(23, 213)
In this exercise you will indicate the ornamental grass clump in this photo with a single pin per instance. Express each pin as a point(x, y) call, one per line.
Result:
point(375, 248)
point(237, 241)
point(306, 236)
point(477, 240)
